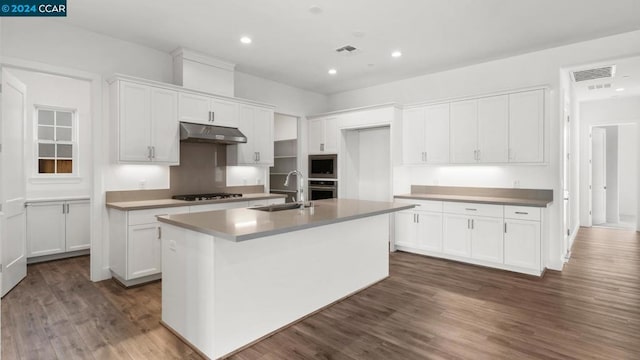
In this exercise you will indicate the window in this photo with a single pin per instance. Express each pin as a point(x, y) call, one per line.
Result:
point(56, 145)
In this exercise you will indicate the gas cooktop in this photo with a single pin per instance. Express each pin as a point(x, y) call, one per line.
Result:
point(200, 197)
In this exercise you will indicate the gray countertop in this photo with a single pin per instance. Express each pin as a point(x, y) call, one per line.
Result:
point(478, 199)
point(245, 224)
point(163, 203)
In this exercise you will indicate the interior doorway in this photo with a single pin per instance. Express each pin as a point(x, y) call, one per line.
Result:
point(614, 176)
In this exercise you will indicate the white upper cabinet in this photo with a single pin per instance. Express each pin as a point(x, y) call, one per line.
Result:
point(207, 110)
point(323, 135)
point(526, 127)
point(493, 129)
point(256, 123)
point(426, 135)
point(147, 121)
point(463, 137)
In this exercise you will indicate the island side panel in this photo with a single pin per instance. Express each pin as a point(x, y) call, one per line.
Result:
point(187, 285)
point(264, 284)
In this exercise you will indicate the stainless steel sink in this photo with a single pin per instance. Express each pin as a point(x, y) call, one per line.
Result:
point(277, 207)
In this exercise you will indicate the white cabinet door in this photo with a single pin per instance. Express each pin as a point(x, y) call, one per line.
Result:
point(406, 230)
point(45, 228)
point(522, 243)
point(413, 136)
point(429, 230)
point(78, 234)
point(331, 135)
point(165, 132)
point(134, 122)
point(245, 152)
point(224, 113)
point(436, 132)
point(315, 135)
point(144, 255)
point(457, 235)
point(464, 132)
point(263, 135)
point(526, 126)
point(194, 108)
point(493, 129)
point(486, 239)
point(222, 206)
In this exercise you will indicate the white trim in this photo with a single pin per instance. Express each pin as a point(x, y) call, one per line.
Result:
point(192, 55)
point(99, 268)
point(363, 108)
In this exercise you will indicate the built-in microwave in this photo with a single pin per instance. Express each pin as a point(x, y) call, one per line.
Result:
point(323, 166)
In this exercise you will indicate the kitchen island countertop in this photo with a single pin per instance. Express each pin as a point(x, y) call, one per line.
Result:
point(245, 224)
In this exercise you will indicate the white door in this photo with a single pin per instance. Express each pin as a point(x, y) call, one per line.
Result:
point(430, 230)
point(486, 239)
point(413, 136)
point(224, 113)
point(599, 175)
point(522, 243)
point(246, 152)
point(526, 126)
point(135, 122)
point(405, 229)
point(46, 228)
point(331, 135)
point(464, 131)
point(194, 108)
point(144, 255)
point(165, 132)
point(316, 135)
point(493, 129)
point(13, 182)
point(78, 234)
point(263, 135)
point(436, 136)
point(457, 235)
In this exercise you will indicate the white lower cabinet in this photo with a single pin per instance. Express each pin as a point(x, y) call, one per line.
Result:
point(57, 228)
point(505, 237)
point(135, 254)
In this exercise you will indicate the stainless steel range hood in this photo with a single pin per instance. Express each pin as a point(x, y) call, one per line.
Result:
point(191, 132)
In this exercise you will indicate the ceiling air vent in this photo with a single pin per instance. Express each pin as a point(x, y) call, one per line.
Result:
point(593, 74)
point(599, 86)
point(347, 50)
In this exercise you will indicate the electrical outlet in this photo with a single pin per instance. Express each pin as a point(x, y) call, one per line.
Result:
point(516, 183)
point(258, 181)
point(142, 183)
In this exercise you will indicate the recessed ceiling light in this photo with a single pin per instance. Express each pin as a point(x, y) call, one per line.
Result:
point(396, 54)
point(245, 40)
point(333, 71)
point(619, 89)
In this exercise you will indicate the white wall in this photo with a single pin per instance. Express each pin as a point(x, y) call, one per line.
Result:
point(532, 69)
point(613, 215)
point(61, 92)
point(623, 110)
point(628, 164)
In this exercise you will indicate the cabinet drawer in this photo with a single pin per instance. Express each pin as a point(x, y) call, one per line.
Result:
point(218, 206)
point(422, 205)
point(522, 213)
point(137, 217)
point(473, 209)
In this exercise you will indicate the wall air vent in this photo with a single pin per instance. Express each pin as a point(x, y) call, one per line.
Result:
point(593, 74)
point(347, 50)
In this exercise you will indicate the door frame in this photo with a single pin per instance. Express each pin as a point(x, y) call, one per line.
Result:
point(591, 170)
point(99, 262)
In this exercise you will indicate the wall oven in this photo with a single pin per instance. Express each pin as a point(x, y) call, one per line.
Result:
point(323, 189)
point(323, 166)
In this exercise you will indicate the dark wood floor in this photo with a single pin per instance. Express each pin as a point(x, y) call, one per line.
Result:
point(427, 309)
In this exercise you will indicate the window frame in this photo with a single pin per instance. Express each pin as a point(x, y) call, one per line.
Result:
point(72, 177)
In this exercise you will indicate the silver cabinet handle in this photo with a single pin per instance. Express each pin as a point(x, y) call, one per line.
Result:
point(478, 155)
point(475, 154)
point(153, 152)
point(471, 209)
point(522, 212)
point(258, 155)
point(505, 228)
point(418, 218)
point(213, 116)
point(63, 209)
point(468, 223)
point(149, 152)
point(321, 147)
point(210, 117)
point(159, 232)
point(472, 224)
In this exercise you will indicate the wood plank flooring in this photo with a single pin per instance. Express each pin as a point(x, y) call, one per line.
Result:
point(427, 309)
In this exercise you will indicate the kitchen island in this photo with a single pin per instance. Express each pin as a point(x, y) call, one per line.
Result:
point(232, 277)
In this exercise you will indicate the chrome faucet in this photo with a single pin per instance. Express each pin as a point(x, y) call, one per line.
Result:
point(300, 185)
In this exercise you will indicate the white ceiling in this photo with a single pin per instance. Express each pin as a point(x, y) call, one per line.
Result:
point(627, 77)
point(294, 46)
